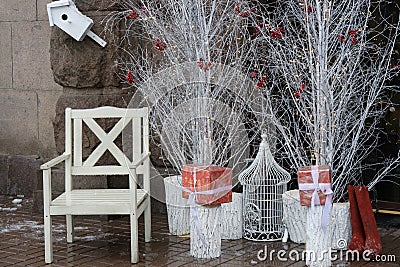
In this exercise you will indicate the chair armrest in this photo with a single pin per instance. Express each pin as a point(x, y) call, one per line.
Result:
point(54, 161)
point(137, 164)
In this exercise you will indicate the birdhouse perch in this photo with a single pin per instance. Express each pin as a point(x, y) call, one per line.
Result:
point(65, 15)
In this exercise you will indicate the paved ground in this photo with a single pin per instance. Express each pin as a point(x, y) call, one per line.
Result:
point(106, 243)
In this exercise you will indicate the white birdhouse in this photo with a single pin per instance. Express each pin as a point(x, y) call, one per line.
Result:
point(65, 15)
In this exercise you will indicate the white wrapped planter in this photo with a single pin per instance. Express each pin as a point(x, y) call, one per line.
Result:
point(341, 225)
point(294, 216)
point(232, 218)
point(295, 219)
point(210, 227)
point(177, 208)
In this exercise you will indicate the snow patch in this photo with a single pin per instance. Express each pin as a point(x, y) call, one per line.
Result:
point(81, 228)
point(17, 201)
point(24, 225)
point(8, 209)
point(92, 237)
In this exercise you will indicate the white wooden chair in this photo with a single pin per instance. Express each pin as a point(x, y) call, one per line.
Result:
point(133, 201)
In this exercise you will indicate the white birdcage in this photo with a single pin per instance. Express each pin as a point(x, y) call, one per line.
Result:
point(264, 182)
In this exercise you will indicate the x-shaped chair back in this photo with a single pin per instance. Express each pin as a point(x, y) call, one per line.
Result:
point(75, 119)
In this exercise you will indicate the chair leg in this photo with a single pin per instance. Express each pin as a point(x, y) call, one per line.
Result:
point(147, 222)
point(134, 239)
point(70, 228)
point(48, 240)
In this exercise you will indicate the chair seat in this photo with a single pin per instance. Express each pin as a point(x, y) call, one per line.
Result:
point(97, 202)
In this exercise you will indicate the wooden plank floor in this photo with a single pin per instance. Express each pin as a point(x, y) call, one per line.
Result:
point(106, 243)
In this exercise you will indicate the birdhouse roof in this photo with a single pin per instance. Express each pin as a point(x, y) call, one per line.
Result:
point(56, 4)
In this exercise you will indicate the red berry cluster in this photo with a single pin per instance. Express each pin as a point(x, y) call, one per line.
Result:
point(132, 15)
point(352, 33)
point(129, 77)
point(262, 83)
point(277, 33)
point(160, 45)
point(299, 91)
point(204, 66)
point(308, 8)
point(244, 14)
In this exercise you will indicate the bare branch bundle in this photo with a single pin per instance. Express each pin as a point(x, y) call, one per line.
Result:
point(196, 65)
point(330, 67)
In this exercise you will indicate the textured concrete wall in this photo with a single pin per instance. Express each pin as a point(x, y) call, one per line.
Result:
point(28, 93)
point(38, 65)
point(43, 71)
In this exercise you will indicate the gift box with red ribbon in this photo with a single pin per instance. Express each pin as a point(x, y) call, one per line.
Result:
point(208, 184)
point(314, 180)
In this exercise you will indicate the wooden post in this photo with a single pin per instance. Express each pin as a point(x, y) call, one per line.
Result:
point(134, 218)
point(208, 244)
point(68, 173)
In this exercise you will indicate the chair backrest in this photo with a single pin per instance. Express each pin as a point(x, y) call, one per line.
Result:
point(74, 121)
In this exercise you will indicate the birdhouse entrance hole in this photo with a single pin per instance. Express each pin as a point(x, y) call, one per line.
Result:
point(64, 16)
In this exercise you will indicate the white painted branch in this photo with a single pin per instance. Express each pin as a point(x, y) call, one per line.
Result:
point(199, 84)
point(345, 65)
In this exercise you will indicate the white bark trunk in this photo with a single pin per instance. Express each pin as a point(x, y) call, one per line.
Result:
point(232, 218)
point(318, 241)
point(210, 227)
point(294, 216)
point(177, 208)
point(340, 220)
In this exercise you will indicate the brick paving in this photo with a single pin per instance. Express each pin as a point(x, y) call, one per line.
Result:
point(106, 243)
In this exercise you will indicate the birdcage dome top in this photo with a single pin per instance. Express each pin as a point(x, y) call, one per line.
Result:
point(264, 170)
